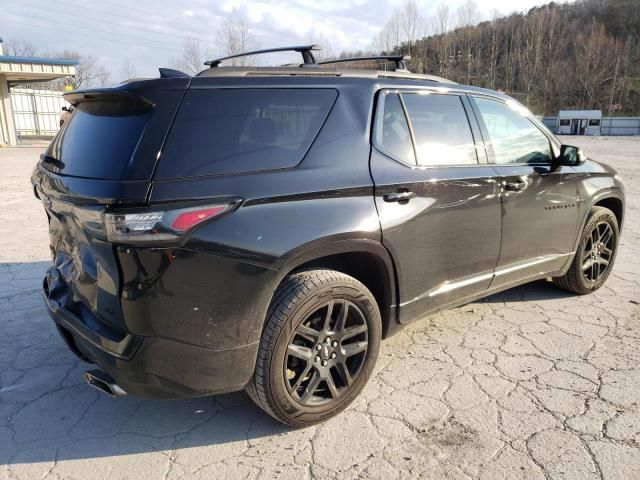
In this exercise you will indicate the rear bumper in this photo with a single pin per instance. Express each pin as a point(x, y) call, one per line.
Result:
point(151, 367)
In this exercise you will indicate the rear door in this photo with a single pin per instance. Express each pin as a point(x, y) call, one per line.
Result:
point(539, 199)
point(437, 199)
point(102, 157)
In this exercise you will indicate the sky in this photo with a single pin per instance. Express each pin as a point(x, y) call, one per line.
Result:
point(150, 33)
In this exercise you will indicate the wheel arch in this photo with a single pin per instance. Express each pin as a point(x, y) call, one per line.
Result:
point(615, 204)
point(609, 198)
point(365, 260)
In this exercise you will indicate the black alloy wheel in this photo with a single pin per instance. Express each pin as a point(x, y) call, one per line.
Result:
point(598, 251)
point(595, 255)
point(326, 353)
point(318, 347)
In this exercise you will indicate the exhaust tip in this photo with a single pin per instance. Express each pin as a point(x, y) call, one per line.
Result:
point(103, 382)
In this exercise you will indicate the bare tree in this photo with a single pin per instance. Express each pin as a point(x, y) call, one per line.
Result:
point(441, 25)
point(494, 50)
point(410, 21)
point(128, 69)
point(594, 63)
point(442, 19)
point(235, 37)
point(326, 51)
point(102, 76)
point(191, 59)
point(390, 37)
point(89, 72)
point(19, 48)
point(468, 16)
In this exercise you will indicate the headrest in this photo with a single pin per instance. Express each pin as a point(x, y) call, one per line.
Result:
point(263, 130)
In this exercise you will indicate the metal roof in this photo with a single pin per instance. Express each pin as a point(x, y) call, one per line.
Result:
point(580, 114)
point(37, 60)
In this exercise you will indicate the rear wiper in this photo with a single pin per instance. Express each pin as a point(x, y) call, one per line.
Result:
point(51, 160)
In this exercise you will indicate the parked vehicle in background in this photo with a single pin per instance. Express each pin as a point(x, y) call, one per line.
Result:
point(265, 228)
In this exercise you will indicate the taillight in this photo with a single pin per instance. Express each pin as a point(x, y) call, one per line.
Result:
point(187, 220)
point(159, 226)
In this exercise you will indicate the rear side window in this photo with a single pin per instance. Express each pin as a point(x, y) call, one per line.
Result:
point(221, 131)
point(394, 137)
point(99, 139)
point(441, 129)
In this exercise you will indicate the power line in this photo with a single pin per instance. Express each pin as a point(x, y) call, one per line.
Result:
point(134, 27)
point(112, 37)
point(147, 12)
point(73, 32)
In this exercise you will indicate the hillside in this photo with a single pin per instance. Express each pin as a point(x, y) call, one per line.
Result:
point(579, 55)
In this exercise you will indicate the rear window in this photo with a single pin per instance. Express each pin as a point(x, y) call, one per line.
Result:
point(221, 131)
point(441, 129)
point(99, 139)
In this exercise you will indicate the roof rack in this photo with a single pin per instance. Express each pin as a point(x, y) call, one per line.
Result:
point(398, 59)
point(305, 50)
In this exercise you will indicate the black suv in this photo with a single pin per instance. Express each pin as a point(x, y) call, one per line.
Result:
point(265, 228)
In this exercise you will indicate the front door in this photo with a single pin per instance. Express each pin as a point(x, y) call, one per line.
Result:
point(438, 202)
point(539, 198)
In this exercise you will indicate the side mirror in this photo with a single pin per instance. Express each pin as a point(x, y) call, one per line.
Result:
point(571, 156)
point(65, 109)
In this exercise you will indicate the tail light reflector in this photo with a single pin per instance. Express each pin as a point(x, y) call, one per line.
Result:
point(187, 220)
point(159, 226)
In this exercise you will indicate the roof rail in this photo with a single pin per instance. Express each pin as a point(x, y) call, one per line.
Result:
point(305, 50)
point(398, 59)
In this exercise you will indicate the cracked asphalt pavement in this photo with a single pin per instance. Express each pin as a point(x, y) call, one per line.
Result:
point(532, 383)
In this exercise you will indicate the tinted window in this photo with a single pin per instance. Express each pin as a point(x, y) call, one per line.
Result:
point(441, 129)
point(231, 131)
point(513, 137)
point(564, 123)
point(395, 138)
point(594, 123)
point(99, 139)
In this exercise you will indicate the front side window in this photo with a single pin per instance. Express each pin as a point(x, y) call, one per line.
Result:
point(594, 122)
point(441, 129)
point(513, 138)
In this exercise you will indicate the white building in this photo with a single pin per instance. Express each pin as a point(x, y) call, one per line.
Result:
point(15, 71)
point(579, 122)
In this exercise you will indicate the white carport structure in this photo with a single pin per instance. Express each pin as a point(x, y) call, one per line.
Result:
point(20, 70)
point(579, 122)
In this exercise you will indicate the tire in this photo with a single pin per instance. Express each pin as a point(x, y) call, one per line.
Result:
point(580, 278)
point(309, 368)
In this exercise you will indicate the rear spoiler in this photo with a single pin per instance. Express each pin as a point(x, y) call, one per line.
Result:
point(106, 94)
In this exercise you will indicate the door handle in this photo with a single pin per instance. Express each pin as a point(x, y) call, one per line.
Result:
point(514, 186)
point(400, 197)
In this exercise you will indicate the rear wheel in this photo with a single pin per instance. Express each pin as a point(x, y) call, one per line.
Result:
point(318, 347)
point(595, 255)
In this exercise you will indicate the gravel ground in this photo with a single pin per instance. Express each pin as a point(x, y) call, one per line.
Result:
point(532, 383)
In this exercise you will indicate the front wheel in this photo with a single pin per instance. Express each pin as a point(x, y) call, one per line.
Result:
point(595, 255)
point(318, 347)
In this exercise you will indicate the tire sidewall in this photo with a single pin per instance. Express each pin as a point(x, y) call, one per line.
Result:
point(288, 406)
